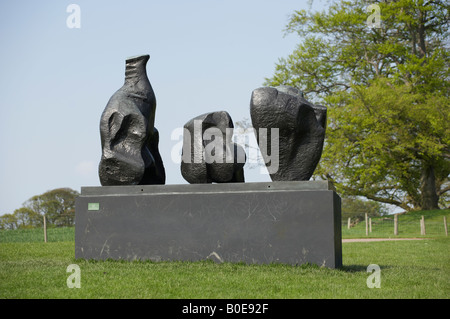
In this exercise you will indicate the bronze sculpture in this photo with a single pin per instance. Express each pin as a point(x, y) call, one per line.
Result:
point(209, 154)
point(300, 126)
point(129, 139)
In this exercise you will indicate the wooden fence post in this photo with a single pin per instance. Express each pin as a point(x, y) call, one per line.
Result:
point(370, 225)
point(422, 226)
point(348, 223)
point(396, 224)
point(45, 230)
point(445, 225)
point(367, 225)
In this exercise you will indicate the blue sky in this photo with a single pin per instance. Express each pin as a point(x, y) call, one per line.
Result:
point(55, 81)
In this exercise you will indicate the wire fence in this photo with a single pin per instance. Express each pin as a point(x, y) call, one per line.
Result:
point(54, 234)
point(379, 227)
point(391, 227)
point(53, 229)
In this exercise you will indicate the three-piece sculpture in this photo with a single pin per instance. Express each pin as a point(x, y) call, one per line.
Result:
point(217, 215)
point(129, 138)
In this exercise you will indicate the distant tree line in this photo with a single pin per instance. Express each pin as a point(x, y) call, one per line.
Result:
point(356, 209)
point(57, 205)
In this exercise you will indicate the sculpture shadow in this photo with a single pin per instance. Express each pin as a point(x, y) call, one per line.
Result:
point(360, 268)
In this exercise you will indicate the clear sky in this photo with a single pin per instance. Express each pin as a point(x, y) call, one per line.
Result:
point(55, 81)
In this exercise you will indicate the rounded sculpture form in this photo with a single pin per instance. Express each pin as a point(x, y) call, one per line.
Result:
point(209, 154)
point(129, 139)
point(300, 128)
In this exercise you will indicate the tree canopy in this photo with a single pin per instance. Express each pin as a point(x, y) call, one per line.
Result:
point(387, 93)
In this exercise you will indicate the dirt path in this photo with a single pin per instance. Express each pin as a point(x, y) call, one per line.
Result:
point(354, 240)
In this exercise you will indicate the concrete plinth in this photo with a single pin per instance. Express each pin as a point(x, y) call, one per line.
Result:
point(273, 222)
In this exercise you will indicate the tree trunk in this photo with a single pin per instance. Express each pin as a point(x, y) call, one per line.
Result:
point(428, 189)
point(421, 31)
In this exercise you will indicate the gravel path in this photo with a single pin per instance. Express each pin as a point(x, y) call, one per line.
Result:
point(354, 240)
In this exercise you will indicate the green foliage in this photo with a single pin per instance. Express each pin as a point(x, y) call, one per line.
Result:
point(338, 48)
point(8, 221)
point(387, 93)
point(381, 137)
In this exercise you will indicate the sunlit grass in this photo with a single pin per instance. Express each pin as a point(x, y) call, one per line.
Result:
point(409, 269)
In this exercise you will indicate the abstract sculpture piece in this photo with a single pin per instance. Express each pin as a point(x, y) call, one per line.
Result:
point(209, 154)
point(295, 124)
point(129, 139)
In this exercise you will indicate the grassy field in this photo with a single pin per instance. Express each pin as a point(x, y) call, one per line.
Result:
point(409, 269)
point(32, 269)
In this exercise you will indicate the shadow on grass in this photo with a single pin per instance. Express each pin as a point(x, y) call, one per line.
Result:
point(211, 263)
point(359, 268)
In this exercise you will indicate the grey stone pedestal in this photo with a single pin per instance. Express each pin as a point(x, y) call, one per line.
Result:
point(273, 222)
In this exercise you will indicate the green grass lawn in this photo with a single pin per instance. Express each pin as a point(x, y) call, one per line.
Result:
point(32, 269)
point(409, 269)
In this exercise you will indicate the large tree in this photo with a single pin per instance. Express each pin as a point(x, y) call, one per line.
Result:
point(387, 92)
